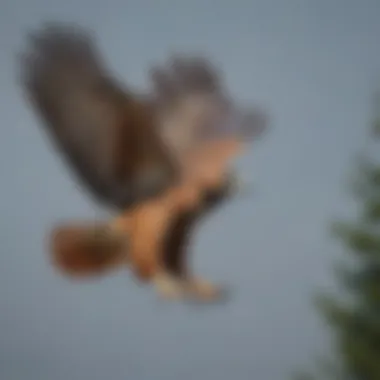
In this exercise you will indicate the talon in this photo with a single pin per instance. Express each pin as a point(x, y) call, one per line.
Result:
point(202, 290)
point(168, 287)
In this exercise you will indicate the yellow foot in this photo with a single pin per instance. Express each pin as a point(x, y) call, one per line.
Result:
point(168, 287)
point(202, 290)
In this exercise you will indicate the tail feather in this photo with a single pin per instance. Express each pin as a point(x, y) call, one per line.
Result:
point(83, 250)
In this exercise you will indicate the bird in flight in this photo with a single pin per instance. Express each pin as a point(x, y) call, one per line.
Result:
point(160, 161)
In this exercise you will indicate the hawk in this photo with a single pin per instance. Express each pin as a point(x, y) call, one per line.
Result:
point(161, 160)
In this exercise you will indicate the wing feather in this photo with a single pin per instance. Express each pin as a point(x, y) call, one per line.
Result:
point(106, 133)
point(197, 109)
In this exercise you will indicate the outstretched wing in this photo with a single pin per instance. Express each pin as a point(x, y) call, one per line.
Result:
point(196, 110)
point(107, 134)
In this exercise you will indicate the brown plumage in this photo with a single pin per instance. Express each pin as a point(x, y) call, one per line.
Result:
point(85, 250)
point(105, 132)
point(161, 160)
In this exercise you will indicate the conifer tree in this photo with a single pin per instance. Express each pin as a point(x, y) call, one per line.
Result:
point(354, 316)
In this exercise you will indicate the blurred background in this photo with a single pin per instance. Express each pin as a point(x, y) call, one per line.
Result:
point(315, 65)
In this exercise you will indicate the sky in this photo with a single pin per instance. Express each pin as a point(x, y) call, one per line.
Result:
point(314, 64)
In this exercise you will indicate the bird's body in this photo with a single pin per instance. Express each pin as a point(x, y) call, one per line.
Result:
point(161, 161)
point(163, 226)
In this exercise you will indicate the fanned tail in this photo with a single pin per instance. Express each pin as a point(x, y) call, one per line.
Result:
point(87, 250)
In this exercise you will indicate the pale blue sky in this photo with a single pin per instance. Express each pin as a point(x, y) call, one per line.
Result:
point(315, 64)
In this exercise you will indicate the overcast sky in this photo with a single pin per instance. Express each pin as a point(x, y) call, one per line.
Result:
point(315, 65)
